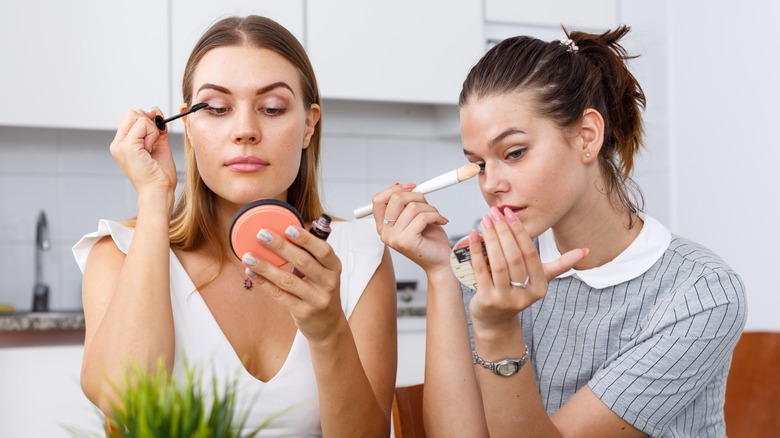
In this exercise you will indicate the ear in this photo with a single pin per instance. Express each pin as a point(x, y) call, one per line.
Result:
point(312, 118)
point(591, 134)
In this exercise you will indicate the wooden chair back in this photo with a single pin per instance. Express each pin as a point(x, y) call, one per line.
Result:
point(752, 406)
point(407, 412)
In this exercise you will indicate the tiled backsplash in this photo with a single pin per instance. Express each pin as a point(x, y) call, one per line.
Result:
point(365, 147)
point(71, 175)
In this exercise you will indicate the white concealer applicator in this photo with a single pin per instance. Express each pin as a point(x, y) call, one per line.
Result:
point(440, 182)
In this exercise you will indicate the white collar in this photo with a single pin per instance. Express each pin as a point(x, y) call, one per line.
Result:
point(644, 251)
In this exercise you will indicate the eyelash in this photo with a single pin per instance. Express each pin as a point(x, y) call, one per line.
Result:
point(221, 111)
point(216, 111)
point(516, 154)
point(513, 156)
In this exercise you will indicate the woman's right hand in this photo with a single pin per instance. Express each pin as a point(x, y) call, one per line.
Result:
point(408, 224)
point(143, 153)
point(515, 277)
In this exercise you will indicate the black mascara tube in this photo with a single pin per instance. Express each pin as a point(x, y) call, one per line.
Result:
point(321, 227)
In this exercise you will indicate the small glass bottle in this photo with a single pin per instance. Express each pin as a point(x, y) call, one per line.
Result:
point(321, 227)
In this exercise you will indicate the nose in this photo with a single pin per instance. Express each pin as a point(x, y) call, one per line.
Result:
point(246, 127)
point(493, 179)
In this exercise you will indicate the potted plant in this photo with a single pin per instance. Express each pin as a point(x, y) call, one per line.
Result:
point(155, 404)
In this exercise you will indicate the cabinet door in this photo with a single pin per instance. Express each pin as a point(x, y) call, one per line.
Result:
point(592, 14)
point(41, 396)
point(399, 51)
point(81, 64)
point(411, 357)
point(190, 18)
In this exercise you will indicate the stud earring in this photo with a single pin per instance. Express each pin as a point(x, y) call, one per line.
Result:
point(587, 154)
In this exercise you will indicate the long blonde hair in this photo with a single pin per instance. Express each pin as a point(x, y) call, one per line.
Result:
point(193, 222)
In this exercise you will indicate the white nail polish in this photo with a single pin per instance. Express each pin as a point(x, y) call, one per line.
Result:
point(249, 259)
point(291, 231)
point(264, 235)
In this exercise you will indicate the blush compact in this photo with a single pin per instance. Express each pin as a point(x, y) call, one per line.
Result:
point(270, 214)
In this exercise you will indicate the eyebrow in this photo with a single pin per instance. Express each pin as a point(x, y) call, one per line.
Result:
point(503, 135)
point(498, 138)
point(260, 91)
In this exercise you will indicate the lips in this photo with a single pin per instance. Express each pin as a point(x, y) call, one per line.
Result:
point(517, 210)
point(246, 164)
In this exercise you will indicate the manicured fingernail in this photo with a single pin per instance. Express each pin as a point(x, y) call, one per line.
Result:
point(250, 272)
point(264, 235)
point(487, 223)
point(291, 232)
point(474, 236)
point(408, 186)
point(496, 214)
point(249, 259)
point(510, 215)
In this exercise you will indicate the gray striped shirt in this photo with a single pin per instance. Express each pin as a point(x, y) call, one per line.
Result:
point(656, 349)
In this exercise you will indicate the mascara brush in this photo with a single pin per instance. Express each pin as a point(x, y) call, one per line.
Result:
point(160, 122)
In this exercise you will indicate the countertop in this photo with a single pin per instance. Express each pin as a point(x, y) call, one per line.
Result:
point(67, 327)
point(41, 321)
point(30, 329)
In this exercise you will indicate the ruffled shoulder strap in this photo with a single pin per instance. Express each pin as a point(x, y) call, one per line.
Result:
point(122, 237)
point(360, 250)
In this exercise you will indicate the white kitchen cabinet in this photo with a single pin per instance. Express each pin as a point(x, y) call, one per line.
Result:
point(190, 18)
point(81, 64)
point(40, 394)
point(399, 51)
point(592, 14)
point(411, 351)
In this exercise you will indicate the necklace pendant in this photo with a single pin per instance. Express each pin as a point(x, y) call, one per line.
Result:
point(248, 284)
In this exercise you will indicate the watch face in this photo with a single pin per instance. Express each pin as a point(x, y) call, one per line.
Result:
point(506, 367)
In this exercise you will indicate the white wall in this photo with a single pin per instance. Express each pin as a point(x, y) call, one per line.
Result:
point(710, 72)
point(724, 93)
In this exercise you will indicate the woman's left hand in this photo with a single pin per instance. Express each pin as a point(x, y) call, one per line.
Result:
point(313, 295)
point(513, 277)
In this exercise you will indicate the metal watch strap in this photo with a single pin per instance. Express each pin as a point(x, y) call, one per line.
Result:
point(492, 366)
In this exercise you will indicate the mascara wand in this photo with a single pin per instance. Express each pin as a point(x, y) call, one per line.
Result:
point(160, 122)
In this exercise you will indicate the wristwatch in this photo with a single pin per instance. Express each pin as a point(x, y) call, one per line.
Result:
point(504, 367)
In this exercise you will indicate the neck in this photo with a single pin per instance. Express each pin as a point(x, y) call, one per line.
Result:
point(603, 229)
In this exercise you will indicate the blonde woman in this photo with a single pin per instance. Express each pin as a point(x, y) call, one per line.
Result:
point(318, 345)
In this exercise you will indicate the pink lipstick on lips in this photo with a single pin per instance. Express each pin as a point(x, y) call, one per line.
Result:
point(246, 164)
point(517, 210)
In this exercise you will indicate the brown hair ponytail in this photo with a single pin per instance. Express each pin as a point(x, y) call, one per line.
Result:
point(622, 93)
point(565, 80)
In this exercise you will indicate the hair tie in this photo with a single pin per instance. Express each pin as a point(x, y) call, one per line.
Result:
point(569, 44)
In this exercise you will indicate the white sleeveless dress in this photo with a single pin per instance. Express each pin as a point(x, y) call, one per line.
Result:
point(290, 397)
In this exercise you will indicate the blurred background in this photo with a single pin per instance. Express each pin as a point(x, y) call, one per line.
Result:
point(390, 75)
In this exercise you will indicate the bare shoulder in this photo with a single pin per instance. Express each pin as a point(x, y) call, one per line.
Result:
point(103, 254)
point(379, 297)
point(384, 276)
point(100, 274)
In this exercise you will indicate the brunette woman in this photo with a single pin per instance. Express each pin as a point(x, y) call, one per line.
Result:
point(591, 318)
